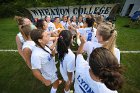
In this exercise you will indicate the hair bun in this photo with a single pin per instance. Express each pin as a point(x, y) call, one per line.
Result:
point(110, 78)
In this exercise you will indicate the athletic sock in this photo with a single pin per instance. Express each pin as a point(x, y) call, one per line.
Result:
point(53, 90)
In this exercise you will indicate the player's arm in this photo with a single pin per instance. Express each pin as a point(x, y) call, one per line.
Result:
point(80, 49)
point(19, 47)
point(39, 76)
point(27, 55)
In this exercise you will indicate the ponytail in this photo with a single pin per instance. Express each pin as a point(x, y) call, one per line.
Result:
point(110, 44)
point(61, 48)
point(63, 43)
point(25, 31)
point(109, 35)
point(19, 20)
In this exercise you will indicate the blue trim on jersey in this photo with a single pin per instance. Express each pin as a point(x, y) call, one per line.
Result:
point(82, 89)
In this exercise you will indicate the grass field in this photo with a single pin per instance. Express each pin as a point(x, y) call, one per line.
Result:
point(15, 77)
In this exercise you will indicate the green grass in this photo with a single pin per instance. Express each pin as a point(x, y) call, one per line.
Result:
point(132, 73)
point(8, 31)
point(128, 38)
point(15, 77)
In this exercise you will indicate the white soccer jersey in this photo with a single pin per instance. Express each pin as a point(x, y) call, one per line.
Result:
point(80, 24)
point(67, 65)
point(28, 44)
point(42, 60)
point(65, 25)
point(74, 24)
point(51, 27)
point(90, 46)
point(89, 33)
point(83, 82)
point(21, 37)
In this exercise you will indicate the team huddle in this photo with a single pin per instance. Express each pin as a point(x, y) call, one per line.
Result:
point(39, 44)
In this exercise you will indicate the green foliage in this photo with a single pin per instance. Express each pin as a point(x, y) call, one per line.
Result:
point(6, 10)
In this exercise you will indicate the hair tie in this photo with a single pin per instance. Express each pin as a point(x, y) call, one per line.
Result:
point(61, 37)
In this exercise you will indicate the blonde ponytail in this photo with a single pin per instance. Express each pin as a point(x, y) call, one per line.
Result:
point(111, 43)
point(109, 35)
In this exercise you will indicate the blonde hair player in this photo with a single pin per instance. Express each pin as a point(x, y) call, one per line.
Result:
point(19, 38)
point(28, 45)
point(106, 36)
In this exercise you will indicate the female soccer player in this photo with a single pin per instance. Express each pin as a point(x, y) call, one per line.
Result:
point(42, 61)
point(101, 75)
point(28, 45)
point(106, 36)
point(67, 58)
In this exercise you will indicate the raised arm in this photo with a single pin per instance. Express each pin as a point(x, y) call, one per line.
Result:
point(80, 49)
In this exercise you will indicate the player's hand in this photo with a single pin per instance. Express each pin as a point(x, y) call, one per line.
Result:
point(47, 82)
